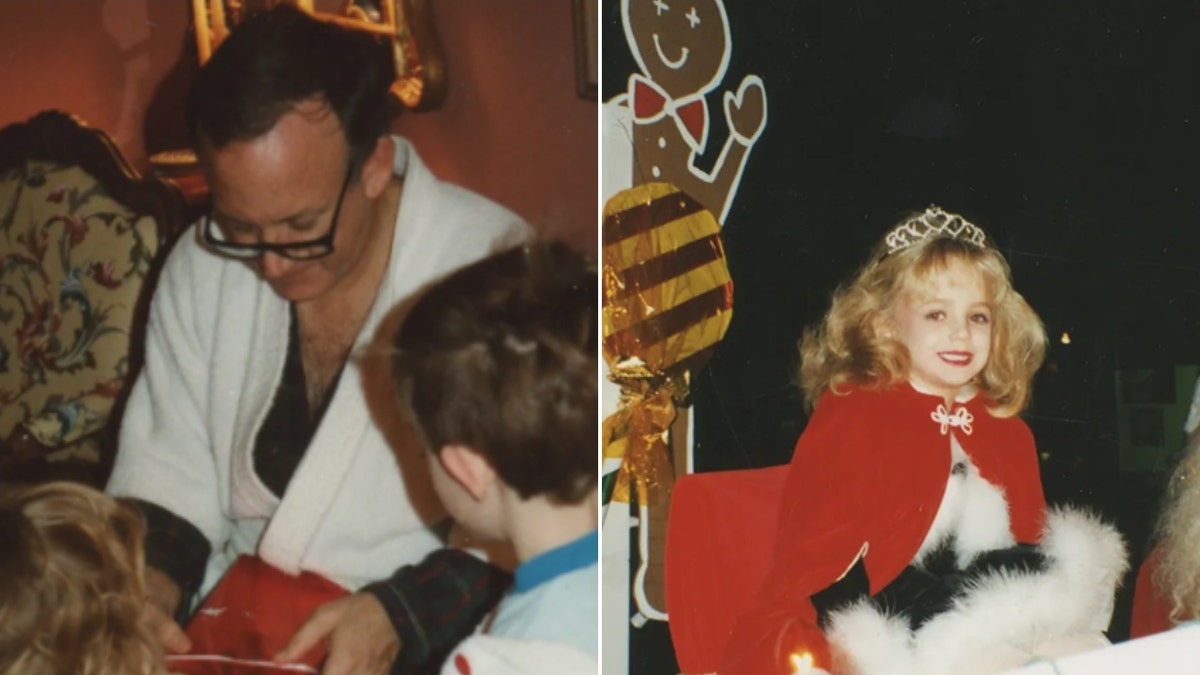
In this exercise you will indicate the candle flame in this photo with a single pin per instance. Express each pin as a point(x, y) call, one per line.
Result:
point(801, 662)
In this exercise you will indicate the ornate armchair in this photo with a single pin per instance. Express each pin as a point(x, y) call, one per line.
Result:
point(79, 233)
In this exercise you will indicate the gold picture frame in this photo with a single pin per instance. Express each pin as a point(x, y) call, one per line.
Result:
point(587, 47)
point(408, 24)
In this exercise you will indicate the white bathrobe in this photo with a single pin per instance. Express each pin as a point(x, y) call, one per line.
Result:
point(215, 348)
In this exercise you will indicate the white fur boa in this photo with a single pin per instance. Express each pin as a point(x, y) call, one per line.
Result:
point(1004, 619)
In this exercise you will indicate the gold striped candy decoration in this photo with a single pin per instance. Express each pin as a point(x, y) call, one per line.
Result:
point(668, 300)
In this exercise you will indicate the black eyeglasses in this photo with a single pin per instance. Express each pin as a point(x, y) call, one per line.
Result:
point(320, 247)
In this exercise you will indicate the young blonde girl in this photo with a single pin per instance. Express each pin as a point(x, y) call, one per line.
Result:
point(913, 534)
point(1168, 584)
point(853, 345)
point(71, 584)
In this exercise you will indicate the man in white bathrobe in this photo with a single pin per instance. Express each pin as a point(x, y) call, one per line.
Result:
point(247, 431)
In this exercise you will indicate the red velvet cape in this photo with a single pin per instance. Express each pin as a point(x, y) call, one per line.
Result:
point(869, 471)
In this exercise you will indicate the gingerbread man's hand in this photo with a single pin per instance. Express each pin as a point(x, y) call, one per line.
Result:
point(746, 111)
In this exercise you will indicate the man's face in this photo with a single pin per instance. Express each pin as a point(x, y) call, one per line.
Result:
point(283, 187)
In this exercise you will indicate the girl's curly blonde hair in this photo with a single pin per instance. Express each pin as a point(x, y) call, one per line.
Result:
point(851, 346)
point(1178, 572)
point(71, 584)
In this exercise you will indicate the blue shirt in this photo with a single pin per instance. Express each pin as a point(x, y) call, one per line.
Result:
point(555, 597)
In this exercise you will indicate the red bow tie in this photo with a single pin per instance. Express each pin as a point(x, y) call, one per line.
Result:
point(649, 103)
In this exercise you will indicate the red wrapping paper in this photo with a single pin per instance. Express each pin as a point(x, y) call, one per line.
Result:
point(249, 617)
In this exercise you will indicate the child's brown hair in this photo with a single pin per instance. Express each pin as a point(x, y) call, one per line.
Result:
point(501, 356)
point(71, 585)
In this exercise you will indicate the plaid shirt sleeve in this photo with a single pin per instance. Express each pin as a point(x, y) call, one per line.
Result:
point(437, 603)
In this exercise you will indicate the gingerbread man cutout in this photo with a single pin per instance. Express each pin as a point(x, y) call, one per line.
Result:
point(682, 48)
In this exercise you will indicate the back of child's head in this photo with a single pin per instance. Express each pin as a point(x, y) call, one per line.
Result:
point(71, 590)
point(501, 357)
point(852, 346)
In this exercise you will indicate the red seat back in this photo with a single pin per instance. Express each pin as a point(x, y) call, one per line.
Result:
point(720, 538)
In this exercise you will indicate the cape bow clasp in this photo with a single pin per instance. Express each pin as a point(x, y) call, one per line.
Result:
point(960, 419)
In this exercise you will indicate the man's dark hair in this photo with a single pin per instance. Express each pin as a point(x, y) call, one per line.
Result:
point(279, 58)
point(501, 356)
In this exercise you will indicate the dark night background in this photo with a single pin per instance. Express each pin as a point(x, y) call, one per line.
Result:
point(1068, 130)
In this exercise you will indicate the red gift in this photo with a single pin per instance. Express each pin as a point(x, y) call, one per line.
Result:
point(249, 617)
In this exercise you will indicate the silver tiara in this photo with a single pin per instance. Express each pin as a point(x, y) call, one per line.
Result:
point(933, 223)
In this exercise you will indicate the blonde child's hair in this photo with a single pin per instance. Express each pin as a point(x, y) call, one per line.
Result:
point(851, 346)
point(71, 584)
point(1177, 574)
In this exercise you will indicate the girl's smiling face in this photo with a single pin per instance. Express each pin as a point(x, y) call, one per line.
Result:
point(946, 324)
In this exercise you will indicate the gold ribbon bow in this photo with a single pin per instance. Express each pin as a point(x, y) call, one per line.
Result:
point(638, 435)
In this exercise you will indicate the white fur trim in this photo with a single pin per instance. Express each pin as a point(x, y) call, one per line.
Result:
point(1021, 611)
point(985, 523)
point(864, 640)
point(1090, 555)
point(1005, 619)
point(973, 510)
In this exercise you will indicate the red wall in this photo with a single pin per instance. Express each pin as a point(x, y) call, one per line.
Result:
point(512, 126)
point(101, 60)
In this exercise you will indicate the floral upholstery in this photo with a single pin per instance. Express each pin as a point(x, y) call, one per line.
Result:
point(72, 262)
